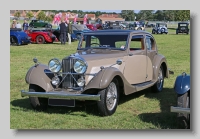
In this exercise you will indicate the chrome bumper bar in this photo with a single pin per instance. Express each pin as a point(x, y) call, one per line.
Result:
point(180, 110)
point(60, 95)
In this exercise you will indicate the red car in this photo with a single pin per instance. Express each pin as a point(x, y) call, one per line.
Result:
point(91, 27)
point(41, 36)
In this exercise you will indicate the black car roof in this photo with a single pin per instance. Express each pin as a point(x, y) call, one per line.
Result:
point(119, 31)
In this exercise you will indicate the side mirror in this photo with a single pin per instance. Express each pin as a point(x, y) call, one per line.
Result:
point(119, 62)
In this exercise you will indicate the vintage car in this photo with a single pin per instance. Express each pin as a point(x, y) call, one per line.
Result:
point(112, 25)
point(182, 89)
point(91, 27)
point(39, 23)
point(41, 36)
point(182, 28)
point(18, 37)
point(160, 28)
point(137, 26)
point(108, 64)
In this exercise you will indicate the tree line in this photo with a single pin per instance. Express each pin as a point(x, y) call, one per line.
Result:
point(128, 15)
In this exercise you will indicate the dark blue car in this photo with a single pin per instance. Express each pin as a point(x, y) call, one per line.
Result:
point(18, 37)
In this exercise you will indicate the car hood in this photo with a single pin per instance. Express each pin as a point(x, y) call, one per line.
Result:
point(93, 56)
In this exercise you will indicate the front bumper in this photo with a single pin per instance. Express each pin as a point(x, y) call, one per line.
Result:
point(180, 110)
point(61, 95)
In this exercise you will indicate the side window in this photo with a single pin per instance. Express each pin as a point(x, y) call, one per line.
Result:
point(149, 42)
point(120, 44)
point(137, 43)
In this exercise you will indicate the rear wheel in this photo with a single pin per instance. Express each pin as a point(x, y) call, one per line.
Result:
point(37, 103)
point(40, 39)
point(109, 99)
point(158, 86)
point(14, 41)
point(183, 119)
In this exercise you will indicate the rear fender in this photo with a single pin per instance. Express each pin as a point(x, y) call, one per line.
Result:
point(182, 84)
point(160, 60)
point(36, 75)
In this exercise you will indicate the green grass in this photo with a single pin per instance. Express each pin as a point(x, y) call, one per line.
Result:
point(141, 110)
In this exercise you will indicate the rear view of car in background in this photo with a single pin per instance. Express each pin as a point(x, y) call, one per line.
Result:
point(182, 28)
point(18, 37)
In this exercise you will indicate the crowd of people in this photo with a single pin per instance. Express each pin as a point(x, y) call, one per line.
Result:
point(16, 24)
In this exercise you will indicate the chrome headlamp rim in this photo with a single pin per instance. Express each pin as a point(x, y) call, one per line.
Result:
point(60, 63)
point(83, 60)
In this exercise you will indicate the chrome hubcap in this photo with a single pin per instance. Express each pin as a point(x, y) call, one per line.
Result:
point(160, 79)
point(111, 98)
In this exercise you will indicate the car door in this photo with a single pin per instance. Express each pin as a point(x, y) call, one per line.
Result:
point(135, 68)
point(151, 52)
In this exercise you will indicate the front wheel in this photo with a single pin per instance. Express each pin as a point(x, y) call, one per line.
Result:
point(109, 99)
point(158, 86)
point(183, 101)
point(38, 103)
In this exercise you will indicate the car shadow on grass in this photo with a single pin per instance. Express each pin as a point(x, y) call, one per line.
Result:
point(24, 105)
point(164, 119)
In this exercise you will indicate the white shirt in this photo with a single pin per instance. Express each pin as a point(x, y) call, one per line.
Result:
point(18, 25)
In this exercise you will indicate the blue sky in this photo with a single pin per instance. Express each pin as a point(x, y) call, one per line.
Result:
point(117, 11)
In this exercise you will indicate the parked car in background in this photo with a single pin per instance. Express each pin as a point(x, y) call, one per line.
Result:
point(150, 25)
point(183, 28)
point(18, 37)
point(41, 36)
point(107, 64)
point(39, 23)
point(91, 27)
point(160, 28)
point(182, 89)
point(137, 26)
point(112, 25)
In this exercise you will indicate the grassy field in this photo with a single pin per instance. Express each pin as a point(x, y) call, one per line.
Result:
point(141, 110)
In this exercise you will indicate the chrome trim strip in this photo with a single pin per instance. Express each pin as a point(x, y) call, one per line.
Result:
point(180, 110)
point(60, 95)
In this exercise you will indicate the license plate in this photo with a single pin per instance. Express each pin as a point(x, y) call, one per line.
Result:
point(61, 102)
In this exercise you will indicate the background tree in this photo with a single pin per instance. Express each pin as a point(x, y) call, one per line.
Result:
point(48, 18)
point(41, 15)
point(128, 15)
point(145, 15)
point(17, 14)
point(182, 15)
point(29, 15)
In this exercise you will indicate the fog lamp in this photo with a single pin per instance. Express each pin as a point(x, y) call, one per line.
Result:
point(55, 80)
point(81, 82)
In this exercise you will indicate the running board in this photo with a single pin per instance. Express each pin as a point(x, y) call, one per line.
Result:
point(143, 86)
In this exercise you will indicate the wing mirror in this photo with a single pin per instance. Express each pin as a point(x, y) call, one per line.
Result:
point(119, 62)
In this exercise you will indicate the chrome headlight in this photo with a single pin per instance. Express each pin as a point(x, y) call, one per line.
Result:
point(55, 65)
point(80, 66)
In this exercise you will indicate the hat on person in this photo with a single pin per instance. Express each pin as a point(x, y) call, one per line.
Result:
point(14, 20)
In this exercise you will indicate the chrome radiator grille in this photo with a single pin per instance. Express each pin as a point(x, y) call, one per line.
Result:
point(68, 67)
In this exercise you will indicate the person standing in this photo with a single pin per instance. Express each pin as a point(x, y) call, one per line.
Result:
point(13, 25)
point(25, 25)
point(63, 31)
point(18, 25)
point(69, 31)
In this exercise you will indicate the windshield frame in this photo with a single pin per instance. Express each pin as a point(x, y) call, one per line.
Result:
point(103, 33)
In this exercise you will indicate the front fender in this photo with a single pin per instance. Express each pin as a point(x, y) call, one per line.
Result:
point(182, 83)
point(37, 76)
point(105, 76)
